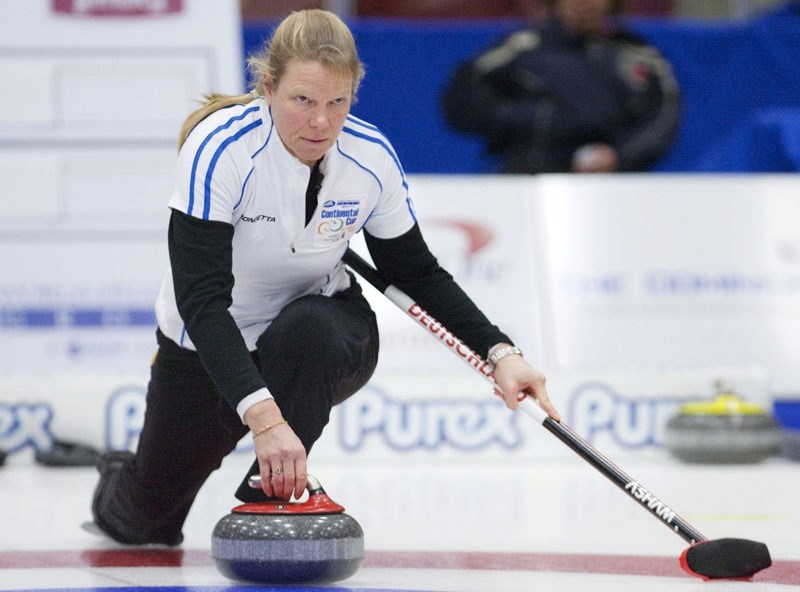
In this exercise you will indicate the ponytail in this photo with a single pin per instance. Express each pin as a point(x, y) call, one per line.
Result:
point(213, 102)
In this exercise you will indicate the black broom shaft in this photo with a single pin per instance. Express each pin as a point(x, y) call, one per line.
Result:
point(626, 483)
point(569, 437)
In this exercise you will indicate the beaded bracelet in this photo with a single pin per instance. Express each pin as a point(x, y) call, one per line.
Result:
point(268, 427)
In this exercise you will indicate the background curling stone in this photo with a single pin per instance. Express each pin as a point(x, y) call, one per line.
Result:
point(67, 454)
point(787, 413)
point(790, 444)
point(725, 430)
point(288, 542)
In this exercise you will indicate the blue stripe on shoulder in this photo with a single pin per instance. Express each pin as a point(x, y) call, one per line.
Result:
point(358, 164)
point(202, 146)
point(252, 168)
point(213, 163)
point(381, 143)
point(353, 119)
point(269, 135)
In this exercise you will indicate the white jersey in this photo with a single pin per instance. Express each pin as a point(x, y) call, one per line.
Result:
point(234, 168)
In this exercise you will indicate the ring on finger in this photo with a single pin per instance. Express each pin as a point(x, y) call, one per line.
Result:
point(277, 471)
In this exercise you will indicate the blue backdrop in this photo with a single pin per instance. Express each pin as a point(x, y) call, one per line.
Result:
point(740, 83)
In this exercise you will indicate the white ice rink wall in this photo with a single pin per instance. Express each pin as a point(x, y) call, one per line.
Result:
point(93, 93)
point(632, 292)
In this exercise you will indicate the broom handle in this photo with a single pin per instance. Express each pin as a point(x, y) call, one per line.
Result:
point(559, 429)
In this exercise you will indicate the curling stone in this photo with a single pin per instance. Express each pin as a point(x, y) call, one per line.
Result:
point(63, 453)
point(288, 542)
point(790, 443)
point(725, 430)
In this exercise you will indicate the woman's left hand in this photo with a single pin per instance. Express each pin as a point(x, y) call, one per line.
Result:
point(517, 379)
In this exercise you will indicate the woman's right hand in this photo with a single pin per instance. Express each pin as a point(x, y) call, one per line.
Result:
point(281, 455)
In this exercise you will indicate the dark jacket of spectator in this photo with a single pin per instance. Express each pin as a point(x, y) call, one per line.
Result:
point(549, 100)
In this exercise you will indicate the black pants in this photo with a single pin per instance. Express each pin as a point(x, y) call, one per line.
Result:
point(318, 352)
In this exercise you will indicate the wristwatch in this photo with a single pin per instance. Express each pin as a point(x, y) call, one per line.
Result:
point(501, 353)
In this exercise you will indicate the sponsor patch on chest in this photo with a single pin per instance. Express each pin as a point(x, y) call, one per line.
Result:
point(338, 219)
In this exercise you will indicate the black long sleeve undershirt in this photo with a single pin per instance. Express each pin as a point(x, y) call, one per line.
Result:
point(201, 258)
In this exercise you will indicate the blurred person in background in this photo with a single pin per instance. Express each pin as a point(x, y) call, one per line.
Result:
point(574, 93)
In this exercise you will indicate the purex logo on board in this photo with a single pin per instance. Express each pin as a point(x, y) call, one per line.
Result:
point(425, 424)
point(25, 424)
point(117, 7)
point(632, 421)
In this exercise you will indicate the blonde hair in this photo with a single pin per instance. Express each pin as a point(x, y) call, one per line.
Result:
point(305, 35)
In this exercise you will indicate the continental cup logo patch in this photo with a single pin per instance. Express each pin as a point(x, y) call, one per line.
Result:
point(338, 219)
